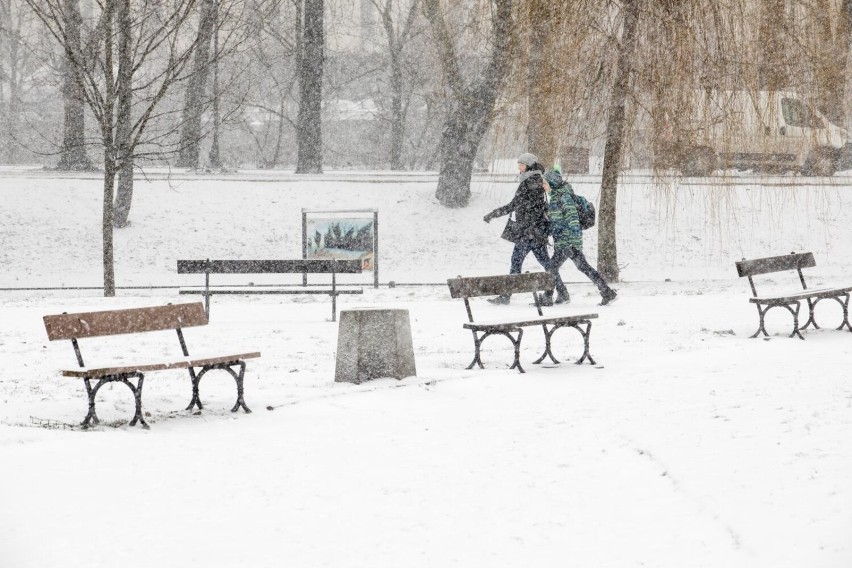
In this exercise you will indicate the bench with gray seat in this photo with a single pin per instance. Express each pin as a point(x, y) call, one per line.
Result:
point(791, 299)
point(312, 266)
point(513, 327)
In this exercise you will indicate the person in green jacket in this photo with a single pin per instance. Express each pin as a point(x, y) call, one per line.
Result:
point(568, 240)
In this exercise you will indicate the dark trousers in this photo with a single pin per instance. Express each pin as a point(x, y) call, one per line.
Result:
point(561, 254)
point(539, 250)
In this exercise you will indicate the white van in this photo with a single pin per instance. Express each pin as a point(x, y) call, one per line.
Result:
point(762, 130)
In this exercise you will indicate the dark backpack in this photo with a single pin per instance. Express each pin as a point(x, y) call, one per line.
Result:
point(586, 211)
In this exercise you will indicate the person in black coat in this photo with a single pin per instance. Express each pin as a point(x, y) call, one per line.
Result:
point(530, 208)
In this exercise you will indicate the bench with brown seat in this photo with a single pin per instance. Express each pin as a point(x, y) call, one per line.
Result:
point(791, 300)
point(138, 320)
point(534, 282)
point(299, 266)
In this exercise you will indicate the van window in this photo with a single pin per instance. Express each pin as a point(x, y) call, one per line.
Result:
point(796, 113)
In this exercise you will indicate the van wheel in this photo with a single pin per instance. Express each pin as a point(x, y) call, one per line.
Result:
point(820, 163)
point(700, 162)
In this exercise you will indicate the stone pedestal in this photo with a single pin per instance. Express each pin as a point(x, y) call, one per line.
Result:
point(374, 343)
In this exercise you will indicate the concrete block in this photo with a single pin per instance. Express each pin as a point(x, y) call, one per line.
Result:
point(374, 343)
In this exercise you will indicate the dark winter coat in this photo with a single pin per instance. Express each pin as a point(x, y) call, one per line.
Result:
point(530, 208)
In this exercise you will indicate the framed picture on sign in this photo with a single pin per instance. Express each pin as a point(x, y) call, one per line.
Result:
point(342, 235)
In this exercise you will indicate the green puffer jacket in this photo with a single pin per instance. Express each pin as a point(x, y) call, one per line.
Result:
point(564, 219)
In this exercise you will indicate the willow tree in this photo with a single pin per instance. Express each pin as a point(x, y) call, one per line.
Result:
point(474, 48)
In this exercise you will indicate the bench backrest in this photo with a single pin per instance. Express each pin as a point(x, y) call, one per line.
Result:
point(792, 261)
point(268, 266)
point(117, 322)
point(472, 287)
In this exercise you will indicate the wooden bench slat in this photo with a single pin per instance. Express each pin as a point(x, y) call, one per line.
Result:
point(471, 287)
point(775, 264)
point(212, 360)
point(184, 363)
point(84, 372)
point(802, 295)
point(116, 322)
point(268, 266)
point(250, 291)
point(503, 324)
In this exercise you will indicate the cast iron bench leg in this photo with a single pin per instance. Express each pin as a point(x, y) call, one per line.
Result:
point(137, 394)
point(795, 320)
point(547, 350)
point(238, 378)
point(91, 416)
point(91, 391)
point(761, 326)
point(586, 339)
point(843, 300)
point(196, 400)
point(812, 302)
point(845, 305)
point(477, 343)
point(517, 344)
point(794, 312)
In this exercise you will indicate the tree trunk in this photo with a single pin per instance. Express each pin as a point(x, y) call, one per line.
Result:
point(309, 121)
point(14, 98)
point(543, 74)
point(398, 107)
point(214, 155)
point(73, 157)
point(190, 137)
point(107, 224)
point(397, 137)
point(465, 126)
point(460, 139)
point(107, 126)
point(123, 125)
point(614, 149)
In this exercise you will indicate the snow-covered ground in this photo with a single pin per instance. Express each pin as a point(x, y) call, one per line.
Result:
point(687, 445)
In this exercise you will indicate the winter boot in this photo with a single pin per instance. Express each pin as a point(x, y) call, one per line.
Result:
point(500, 300)
point(608, 297)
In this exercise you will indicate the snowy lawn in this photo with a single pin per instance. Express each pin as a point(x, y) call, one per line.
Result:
point(687, 445)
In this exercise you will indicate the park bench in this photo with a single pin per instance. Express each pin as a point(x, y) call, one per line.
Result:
point(208, 267)
point(534, 282)
point(791, 299)
point(135, 321)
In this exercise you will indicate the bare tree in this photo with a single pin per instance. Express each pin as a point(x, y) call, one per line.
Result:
point(195, 91)
point(137, 50)
point(397, 38)
point(472, 102)
point(16, 73)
